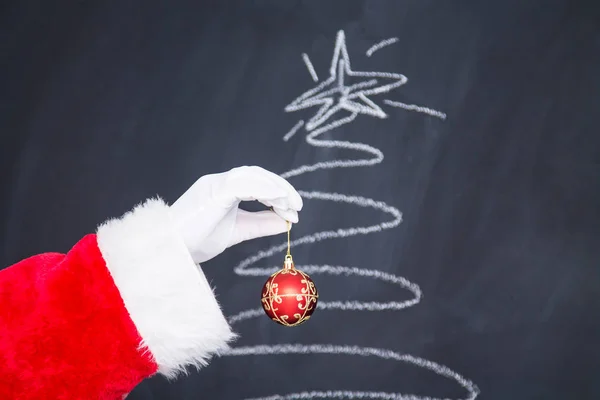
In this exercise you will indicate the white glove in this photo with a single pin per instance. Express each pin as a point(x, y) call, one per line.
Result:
point(209, 220)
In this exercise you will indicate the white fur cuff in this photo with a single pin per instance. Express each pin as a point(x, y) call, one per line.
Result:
point(165, 292)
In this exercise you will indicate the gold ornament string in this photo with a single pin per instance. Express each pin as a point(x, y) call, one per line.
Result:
point(288, 234)
point(289, 228)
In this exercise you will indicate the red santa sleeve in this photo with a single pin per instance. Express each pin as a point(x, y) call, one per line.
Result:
point(123, 304)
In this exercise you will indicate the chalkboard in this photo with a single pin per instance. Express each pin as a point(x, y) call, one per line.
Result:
point(448, 154)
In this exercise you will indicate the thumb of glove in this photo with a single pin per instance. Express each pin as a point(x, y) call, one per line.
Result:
point(252, 225)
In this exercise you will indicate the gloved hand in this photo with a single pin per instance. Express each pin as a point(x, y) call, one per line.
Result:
point(209, 219)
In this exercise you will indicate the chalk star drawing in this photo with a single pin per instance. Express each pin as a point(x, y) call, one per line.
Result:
point(352, 98)
point(333, 96)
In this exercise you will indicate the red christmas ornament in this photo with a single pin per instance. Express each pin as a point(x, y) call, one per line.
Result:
point(289, 296)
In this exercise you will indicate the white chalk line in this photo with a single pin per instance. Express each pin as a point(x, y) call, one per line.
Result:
point(356, 351)
point(353, 99)
point(413, 107)
point(293, 131)
point(309, 66)
point(381, 45)
point(330, 394)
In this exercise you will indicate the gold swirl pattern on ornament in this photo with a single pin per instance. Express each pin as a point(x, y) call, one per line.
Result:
point(274, 296)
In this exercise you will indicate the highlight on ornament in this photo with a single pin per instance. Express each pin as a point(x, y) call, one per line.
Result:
point(289, 296)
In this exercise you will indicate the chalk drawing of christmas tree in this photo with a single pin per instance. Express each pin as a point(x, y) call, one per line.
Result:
point(340, 99)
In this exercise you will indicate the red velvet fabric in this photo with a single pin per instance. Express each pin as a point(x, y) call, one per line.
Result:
point(64, 330)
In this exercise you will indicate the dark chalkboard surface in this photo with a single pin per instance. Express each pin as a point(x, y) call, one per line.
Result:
point(448, 153)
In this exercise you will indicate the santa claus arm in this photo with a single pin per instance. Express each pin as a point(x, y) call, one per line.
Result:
point(123, 304)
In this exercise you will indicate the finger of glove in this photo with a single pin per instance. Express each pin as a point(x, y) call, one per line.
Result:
point(252, 225)
point(255, 187)
point(287, 214)
point(281, 204)
point(295, 200)
point(249, 178)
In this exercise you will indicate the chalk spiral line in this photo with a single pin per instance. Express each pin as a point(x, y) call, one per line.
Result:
point(350, 98)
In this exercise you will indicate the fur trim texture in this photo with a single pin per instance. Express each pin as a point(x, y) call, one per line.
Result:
point(165, 292)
